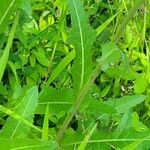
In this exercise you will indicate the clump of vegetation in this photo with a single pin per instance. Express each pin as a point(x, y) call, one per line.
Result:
point(74, 74)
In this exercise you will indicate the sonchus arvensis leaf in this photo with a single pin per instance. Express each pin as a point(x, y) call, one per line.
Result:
point(16, 128)
point(82, 37)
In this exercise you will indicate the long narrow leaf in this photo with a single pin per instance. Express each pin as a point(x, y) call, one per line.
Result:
point(4, 58)
point(101, 28)
point(6, 7)
point(86, 139)
point(70, 56)
point(46, 124)
point(82, 37)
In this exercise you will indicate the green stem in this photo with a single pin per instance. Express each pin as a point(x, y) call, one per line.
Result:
point(51, 60)
point(144, 27)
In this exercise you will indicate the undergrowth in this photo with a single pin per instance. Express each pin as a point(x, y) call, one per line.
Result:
point(74, 74)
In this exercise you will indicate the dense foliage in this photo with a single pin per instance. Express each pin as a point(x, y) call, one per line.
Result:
point(74, 74)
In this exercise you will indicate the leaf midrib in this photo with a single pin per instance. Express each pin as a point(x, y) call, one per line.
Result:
point(82, 45)
point(20, 121)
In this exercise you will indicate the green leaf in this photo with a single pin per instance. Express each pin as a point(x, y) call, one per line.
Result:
point(5, 12)
point(124, 123)
point(4, 57)
point(99, 140)
point(61, 3)
point(16, 128)
point(18, 117)
point(125, 103)
point(8, 8)
point(128, 18)
point(137, 124)
point(26, 6)
point(13, 68)
point(133, 145)
point(41, 58)
point(98, 108)
point(46, 124)
point(81, 95)
point(82, 37)
point(58, 100)
point(141, 84)
point(86, 139)
point(103, 140)
point(105, 91)
point(123, 70)
point(101, 28)
point(64, 62)
point(27, 144)
point(110, 55)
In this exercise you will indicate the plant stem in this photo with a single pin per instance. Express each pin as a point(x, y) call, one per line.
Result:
point(78, 103)
point(50, 63)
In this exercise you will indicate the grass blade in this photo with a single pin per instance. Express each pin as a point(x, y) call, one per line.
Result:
point(4, 58)
point(86, 140)
point(101, 28)
point(46, 124)
point(6, 7)
point(70, 56)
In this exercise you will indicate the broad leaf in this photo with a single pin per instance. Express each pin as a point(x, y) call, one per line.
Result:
point(18, 117)
point(98, 108)
point(41, 58)
point(15, 128)
point(141, 84)
point(58, 100)
point(111, 54)
point(137, 124)
point(123, 70)
point(124, 123)
point(125, 103)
